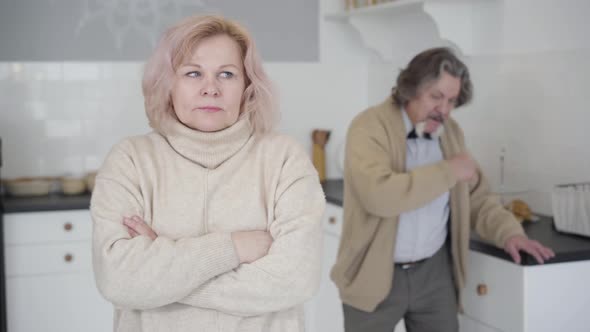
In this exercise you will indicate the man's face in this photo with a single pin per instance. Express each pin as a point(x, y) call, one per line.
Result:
point(434, 102)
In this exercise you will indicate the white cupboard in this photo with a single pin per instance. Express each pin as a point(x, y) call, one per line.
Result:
point(49, 281)
point(499, 295)
point(324, 311)
point(502, 296)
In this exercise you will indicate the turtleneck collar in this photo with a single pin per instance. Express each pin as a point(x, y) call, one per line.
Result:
point(207, 149)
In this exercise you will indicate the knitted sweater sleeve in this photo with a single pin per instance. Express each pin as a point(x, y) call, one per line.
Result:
point(489, 218)
point(289, 274)
point(129, 272)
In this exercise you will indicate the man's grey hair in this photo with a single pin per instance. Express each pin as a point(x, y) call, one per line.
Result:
point(426, 67)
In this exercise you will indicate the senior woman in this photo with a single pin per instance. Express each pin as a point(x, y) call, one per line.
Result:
point(212, 221)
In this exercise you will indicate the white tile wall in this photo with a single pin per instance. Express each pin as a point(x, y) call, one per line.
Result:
point(60, 118)
point(323, 96)
point(534, 106)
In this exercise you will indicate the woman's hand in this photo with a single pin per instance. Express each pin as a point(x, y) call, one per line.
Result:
point(136, 227)
point(251, 245)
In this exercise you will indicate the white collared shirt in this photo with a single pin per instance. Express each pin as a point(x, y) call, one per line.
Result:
point(423, 231)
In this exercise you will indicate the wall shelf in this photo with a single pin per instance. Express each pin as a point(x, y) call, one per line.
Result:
point(471, 25)
point(388, 8)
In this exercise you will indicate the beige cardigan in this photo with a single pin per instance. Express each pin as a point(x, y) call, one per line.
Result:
point(194, 189)
point(377, 189)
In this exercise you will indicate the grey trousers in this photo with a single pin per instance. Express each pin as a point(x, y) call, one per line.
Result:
point(423, 295)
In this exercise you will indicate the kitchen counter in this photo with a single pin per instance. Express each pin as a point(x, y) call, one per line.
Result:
point(54, 202)
point(568, 248)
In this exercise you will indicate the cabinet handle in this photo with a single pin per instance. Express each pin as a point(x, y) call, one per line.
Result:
point(332, 220)
point(482, 289)
point(68, 258)
point(68, 226)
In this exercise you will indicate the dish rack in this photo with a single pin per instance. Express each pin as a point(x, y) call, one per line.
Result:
point(571, 208)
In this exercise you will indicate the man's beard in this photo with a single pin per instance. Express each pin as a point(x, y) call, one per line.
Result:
point(421, 127)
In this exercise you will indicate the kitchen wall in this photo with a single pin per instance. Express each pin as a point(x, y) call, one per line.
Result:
point(62, 118)
point(532, 109)
point(90, 30)
point(530, 104)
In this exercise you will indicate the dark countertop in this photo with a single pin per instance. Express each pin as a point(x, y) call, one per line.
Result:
point(54, 202)
point(334, 191)
point(567, 247)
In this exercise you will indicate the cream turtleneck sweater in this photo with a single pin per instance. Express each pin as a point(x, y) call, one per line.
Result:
point(194, 189)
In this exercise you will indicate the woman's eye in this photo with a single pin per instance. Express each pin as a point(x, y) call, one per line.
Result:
point(226, 74)
point(193, 74)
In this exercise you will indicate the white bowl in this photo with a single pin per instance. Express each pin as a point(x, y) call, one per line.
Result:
point(28, 186)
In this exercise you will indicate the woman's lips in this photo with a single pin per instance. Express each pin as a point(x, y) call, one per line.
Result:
point(210, 109)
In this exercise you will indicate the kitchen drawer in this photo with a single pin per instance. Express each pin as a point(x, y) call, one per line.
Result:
point(47, 227)
point(332, 221)
point(494, 292)
point(57, 303)
point(47, 259)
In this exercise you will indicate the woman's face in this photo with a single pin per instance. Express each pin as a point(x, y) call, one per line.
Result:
point(208, 88)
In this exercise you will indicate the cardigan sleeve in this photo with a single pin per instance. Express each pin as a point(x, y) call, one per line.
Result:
point(129, 271)
point(289, 274)
point(381, 190)
point(489, 218)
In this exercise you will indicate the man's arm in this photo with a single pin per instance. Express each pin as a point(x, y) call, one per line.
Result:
point(377, 184)
point(494, 223)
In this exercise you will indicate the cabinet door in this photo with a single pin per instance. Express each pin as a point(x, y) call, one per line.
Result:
point(467, 324)
point(494, 292)
point(58, 302)
point(324, 311)
point(332, 221)
point(328, 311)
point(557, 297)
point(47, 227)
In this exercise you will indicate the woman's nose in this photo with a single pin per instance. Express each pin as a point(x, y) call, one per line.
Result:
point(209, 88)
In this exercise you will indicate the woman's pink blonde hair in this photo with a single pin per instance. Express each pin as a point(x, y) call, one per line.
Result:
point(177, 45)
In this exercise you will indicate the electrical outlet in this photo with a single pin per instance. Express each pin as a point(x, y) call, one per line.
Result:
point(502, 170)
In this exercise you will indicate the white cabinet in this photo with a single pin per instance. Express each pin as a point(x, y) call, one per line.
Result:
point(493, 292)
point(57, 302)
point(324, 311)
point(327, 307)
point(511, 298)
point(499, 296)
point(467, 324)
point(49, 281)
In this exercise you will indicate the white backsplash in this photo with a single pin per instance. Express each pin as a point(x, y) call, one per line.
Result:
point(534, 108)
point(63, 118)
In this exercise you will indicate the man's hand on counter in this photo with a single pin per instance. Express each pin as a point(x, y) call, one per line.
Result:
point(518, 243)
